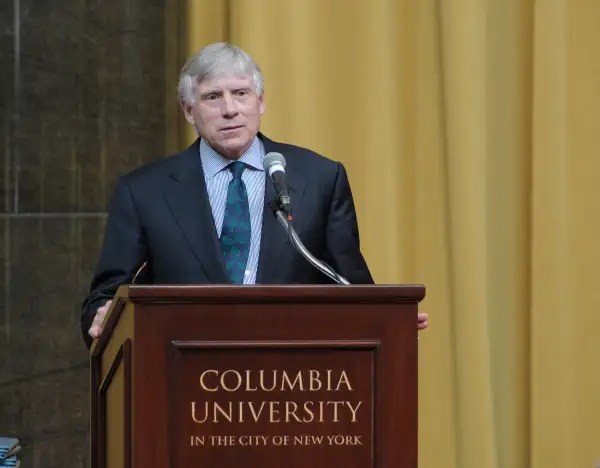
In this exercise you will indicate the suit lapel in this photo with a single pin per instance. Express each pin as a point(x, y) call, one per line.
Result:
point(274, 235)
point(187, 198)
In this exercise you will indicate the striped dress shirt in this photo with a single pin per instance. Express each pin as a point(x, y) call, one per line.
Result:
point(218, 176)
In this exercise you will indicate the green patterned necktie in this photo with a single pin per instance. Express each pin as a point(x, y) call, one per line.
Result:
point(235, 233)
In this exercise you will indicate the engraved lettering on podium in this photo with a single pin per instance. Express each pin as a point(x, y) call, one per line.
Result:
point(307, 397)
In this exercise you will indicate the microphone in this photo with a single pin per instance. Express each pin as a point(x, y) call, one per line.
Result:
point(274, 165)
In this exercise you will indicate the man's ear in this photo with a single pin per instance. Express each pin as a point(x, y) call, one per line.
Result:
point(263, 105)
point(187, 112)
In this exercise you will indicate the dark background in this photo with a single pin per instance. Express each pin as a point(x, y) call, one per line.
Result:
point(82, 100)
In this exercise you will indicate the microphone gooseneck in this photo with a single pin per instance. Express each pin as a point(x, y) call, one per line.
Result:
point(320, 265)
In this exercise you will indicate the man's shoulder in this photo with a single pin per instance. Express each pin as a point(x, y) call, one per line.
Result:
point(155, 171)
point(300, 156)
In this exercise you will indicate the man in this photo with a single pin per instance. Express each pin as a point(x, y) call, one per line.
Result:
point(202, 217)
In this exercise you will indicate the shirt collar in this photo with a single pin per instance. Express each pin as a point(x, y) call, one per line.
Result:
point(213, 162)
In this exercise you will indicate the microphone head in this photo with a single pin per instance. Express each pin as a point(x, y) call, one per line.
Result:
point(273, 162)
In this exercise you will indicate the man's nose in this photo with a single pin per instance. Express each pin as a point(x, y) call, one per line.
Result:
point(229, 106)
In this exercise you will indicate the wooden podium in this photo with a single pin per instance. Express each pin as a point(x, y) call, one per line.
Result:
point(257, 376)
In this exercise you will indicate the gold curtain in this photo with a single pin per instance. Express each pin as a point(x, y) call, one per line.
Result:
point(470, 132)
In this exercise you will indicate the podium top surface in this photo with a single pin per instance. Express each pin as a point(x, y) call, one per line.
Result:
point(272, 293)
point(253, 295)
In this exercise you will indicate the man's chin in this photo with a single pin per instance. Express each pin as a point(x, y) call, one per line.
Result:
point(234, 147)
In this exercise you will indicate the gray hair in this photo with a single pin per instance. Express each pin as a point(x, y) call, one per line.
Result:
point(216, 60)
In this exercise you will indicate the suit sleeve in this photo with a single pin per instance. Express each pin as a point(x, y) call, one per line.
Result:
point(341, 236)
point(123, 252)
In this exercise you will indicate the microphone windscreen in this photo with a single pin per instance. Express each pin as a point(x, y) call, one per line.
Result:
point(273, 159)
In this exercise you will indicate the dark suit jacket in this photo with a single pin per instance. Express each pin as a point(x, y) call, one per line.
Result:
point(160, 213)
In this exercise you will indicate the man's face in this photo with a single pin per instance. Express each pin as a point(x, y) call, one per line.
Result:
point(227, 113)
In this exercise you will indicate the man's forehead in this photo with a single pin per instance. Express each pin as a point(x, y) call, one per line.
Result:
point(226, 82)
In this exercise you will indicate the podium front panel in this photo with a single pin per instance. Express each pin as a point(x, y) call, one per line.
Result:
point(273, 403)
